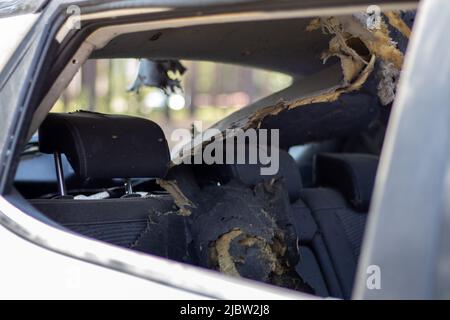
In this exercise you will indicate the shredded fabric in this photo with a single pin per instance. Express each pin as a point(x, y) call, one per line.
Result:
point(183, 203)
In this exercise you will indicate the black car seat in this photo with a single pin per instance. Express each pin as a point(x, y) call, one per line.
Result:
point(339, 204)
point(313, 253)
point(329, 218)
point(100, 146)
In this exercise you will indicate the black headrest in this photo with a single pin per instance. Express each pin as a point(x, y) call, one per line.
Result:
point(351, 174)
point(104, 146)
point(250, 174)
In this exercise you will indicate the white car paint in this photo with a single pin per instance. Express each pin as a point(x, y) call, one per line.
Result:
point(12, 31)
point(28, 271)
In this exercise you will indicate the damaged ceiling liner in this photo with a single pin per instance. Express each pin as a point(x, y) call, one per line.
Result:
point(360, 50)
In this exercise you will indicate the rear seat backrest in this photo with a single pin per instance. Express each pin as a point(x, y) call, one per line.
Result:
point(250, 174)
point(351, 174)
point(116, 221)
point(339, 206)
point(315, 266)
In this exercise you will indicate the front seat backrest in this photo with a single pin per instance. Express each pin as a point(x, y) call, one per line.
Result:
point(100, 146)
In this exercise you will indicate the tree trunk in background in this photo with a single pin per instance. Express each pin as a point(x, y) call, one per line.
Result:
point(88, 76)
point(246, 82)
point(217, 85)
point(190, 88)
point(65, 101)
point(167, 112)
point(109, 94)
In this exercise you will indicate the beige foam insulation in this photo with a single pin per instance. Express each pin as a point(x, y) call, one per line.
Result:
point(397, 22)
point(357, 49)
point(222, 248)
point(182, 202)
point(270, 253)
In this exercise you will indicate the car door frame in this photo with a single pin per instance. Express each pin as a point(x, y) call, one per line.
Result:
point(407, 241)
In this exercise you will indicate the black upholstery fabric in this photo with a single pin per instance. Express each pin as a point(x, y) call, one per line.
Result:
point(314, 253)
point(309, 269)
point(353, 224)
point(341, 229)
point(144, 224)
point(347, 116)
point(351, 174)
point(149, 225)
point(165, 235)
point(70, 211)
point(121, 233)
point(250, 173)
point(340, 213)
point(106, 146)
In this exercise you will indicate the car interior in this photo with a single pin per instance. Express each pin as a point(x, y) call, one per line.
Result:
point(110, 177)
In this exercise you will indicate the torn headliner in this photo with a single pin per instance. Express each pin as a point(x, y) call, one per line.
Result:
point(280, 45)
point(335, 107)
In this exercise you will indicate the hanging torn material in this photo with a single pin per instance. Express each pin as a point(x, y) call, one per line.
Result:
point(247, 233)
point(353, 42)
point(162, 74)
point(361, 51)
point(183, 203)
